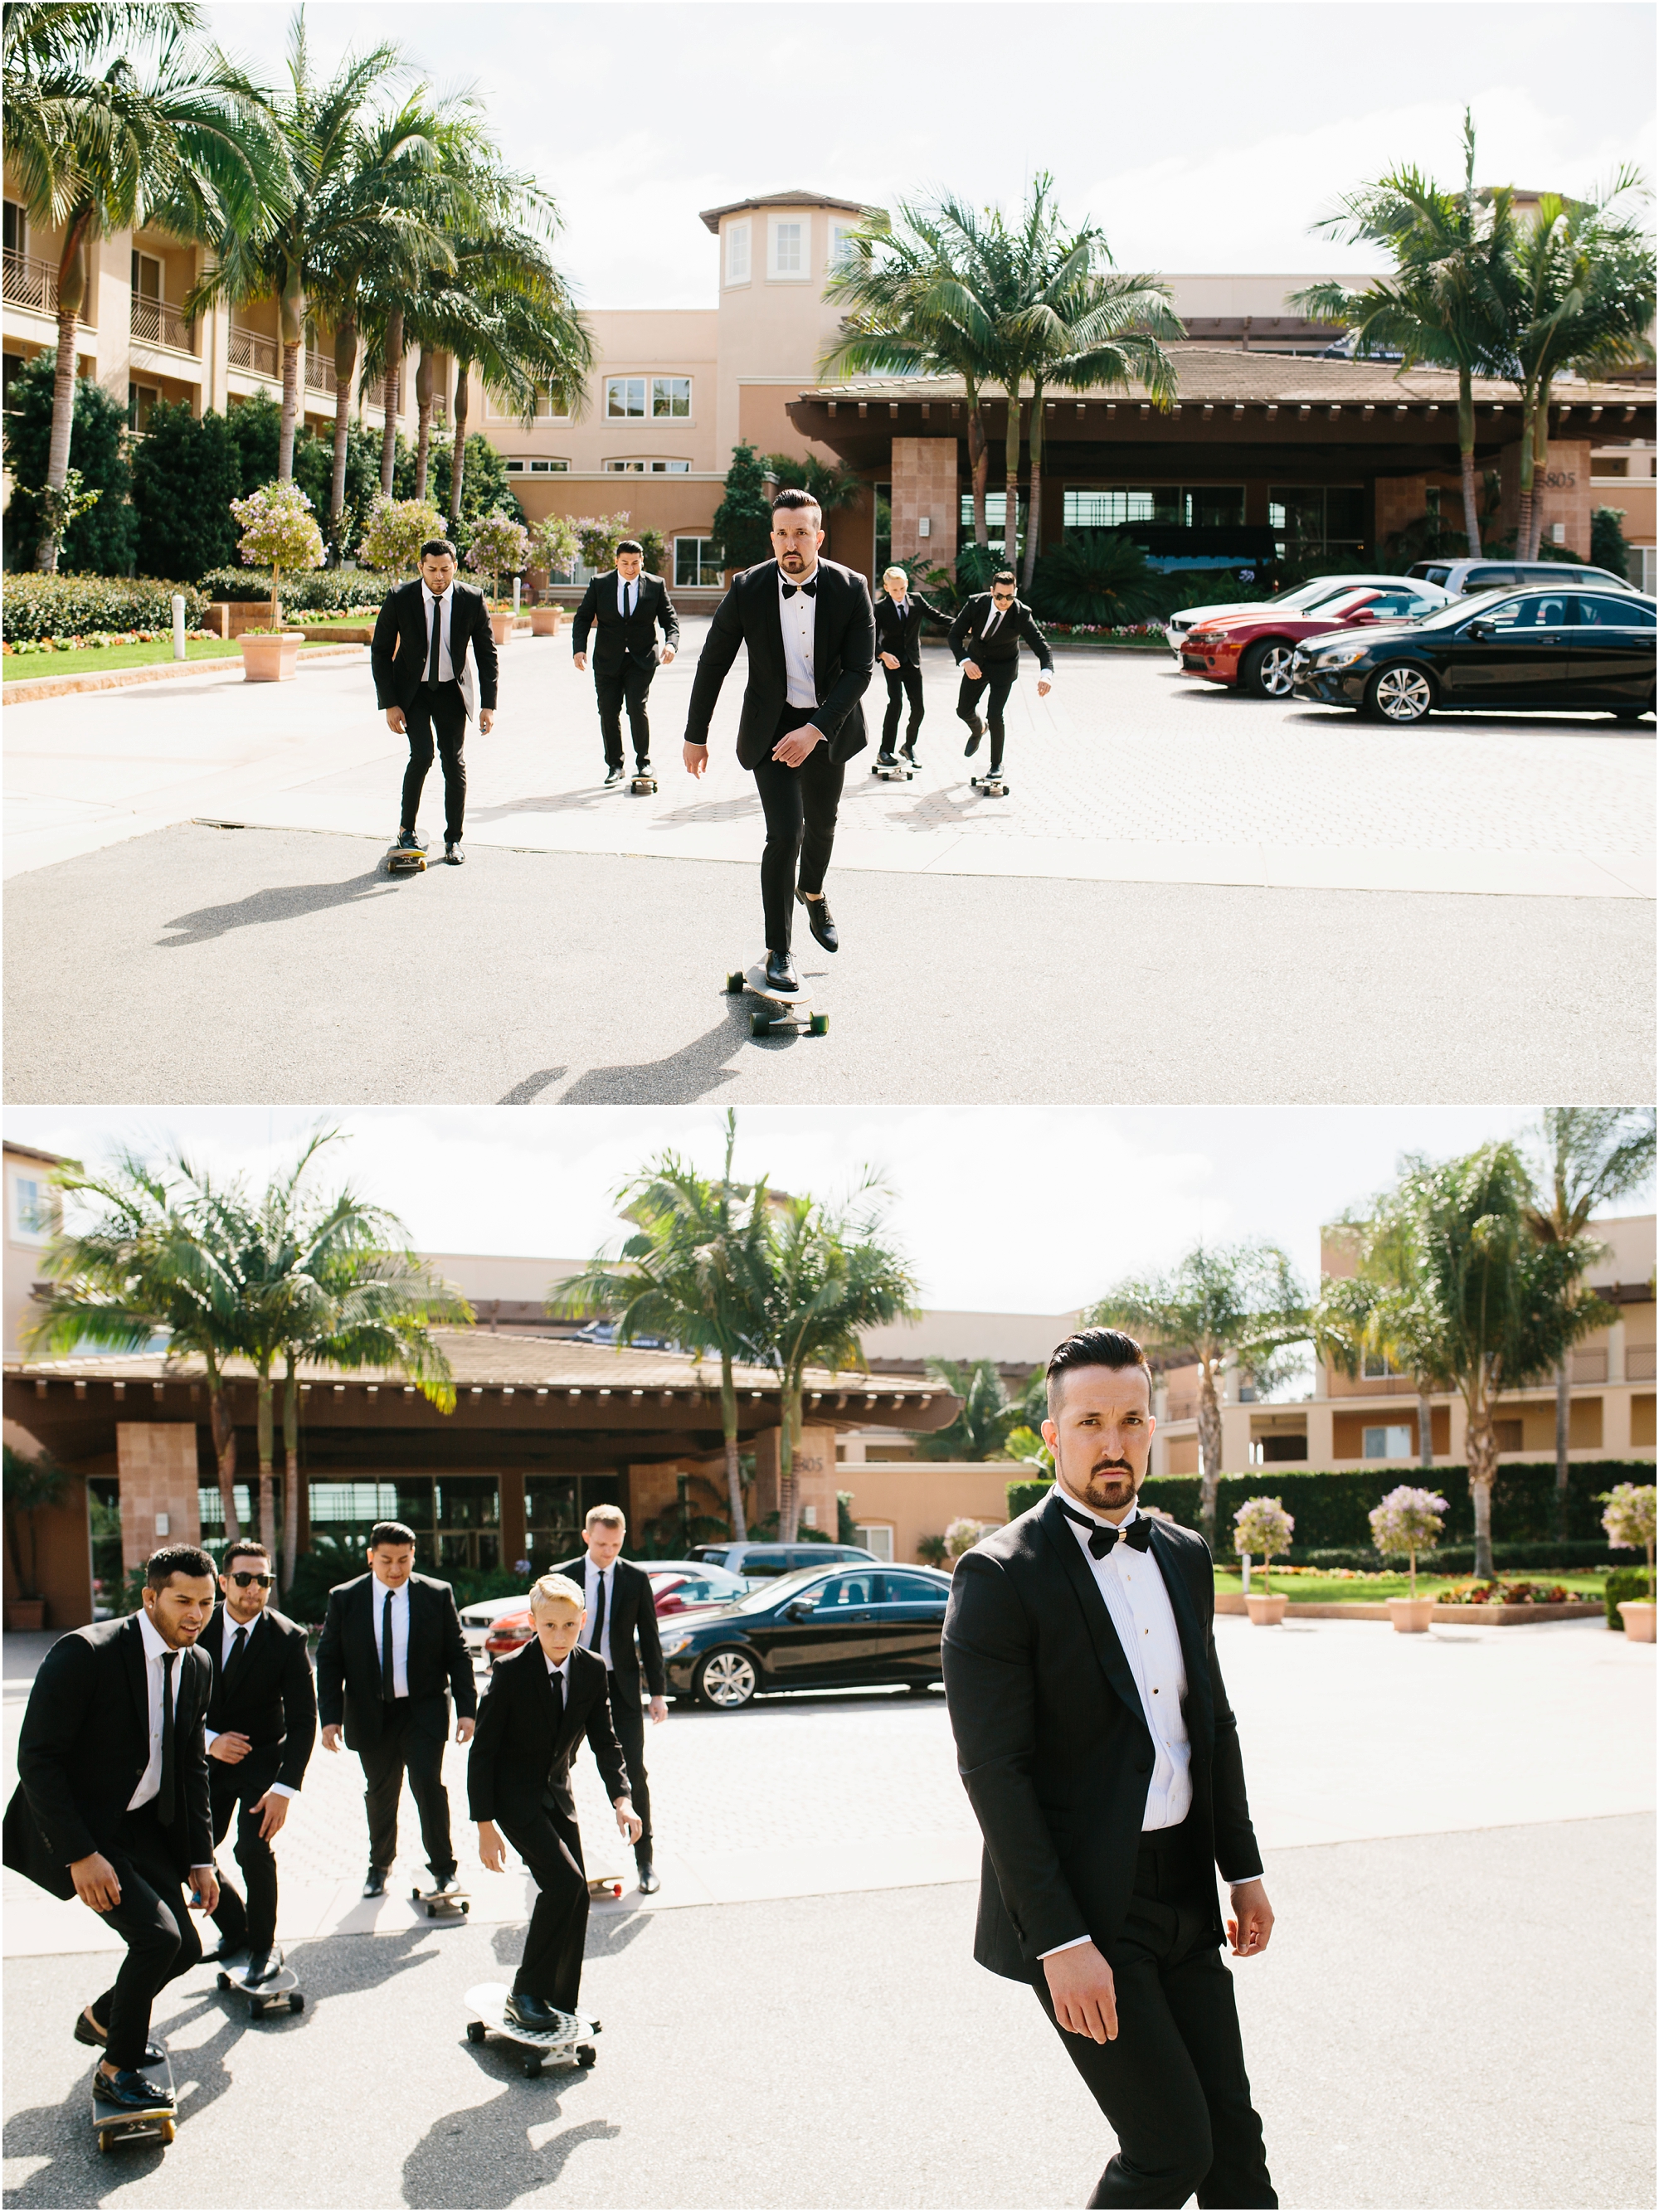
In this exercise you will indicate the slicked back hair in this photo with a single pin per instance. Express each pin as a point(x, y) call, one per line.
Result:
point(249, 1545)
point(438, 545)
point(391, 1532)
point(178, 1559)
point(1004, 576)
point(631, 545)
point(793, 498)
point(1095, 1347)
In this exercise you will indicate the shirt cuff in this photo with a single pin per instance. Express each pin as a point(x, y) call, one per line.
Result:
point(211, 1736)
point(281, 1790)
point(1232, 1880)
point(1076, 1944)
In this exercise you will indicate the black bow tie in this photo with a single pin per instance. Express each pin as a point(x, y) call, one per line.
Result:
point(1137, 1534)
point(810, 590)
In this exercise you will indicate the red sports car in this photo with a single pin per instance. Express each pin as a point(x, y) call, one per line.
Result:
point(688, 1590)
point(1252, 649)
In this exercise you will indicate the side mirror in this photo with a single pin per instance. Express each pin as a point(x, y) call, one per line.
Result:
point(802, 1609)
point(1482, 630)
point(1364, 615)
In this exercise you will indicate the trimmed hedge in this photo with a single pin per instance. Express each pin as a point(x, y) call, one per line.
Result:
point(324, 591)
point(1330, 1510)
point(1622, 1583)
point(35, 606)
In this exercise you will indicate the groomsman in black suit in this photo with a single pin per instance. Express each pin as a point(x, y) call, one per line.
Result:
point(111, 1800)
point(812, 642)
point(984, 639)
point(1102, 1760)
point(621, 1629)
point(899, 612)
point(628, 608)
point(261, 1725)
point(541, 1701)
point(391, 1656)
point(434, 663)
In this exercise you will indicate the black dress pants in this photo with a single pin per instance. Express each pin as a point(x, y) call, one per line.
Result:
point(1173, 2086)
point(628, 686)
point(550, 1845)
point(154, 1923)
point(999, 679)
point(628, 1717)
point(437, 711)
point(403, 1748)
point(902, 683)
point(238, 1789)
point(800, 804)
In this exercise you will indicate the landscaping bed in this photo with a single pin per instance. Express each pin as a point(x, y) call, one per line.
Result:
point(1353, 1595)
point(90, 656)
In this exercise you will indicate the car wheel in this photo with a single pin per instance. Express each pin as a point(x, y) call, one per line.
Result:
point(1400, 693)
point(726, 1680)
point(1265, 671)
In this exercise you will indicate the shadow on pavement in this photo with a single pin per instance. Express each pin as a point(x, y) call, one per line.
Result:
point(289, 902)
point(482, 2154)
point(361, 1961)
point(683, 1077)
point(527, 1093)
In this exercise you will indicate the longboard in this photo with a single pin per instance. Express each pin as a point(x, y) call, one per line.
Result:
point(114, 2124)
point(279, 1992)
point(571, 2046)
point(893, 771)
point(641, 787)
point(602, 1888)
point(795, 1009)
point(406, 861)
point(993, 787)
point(452, 1902)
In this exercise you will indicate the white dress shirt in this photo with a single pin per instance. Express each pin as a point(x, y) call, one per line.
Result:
point(445, 599)
point(593, 1577)
point(625, 606)
point(156, 1648)
point(379, 1592)
point(991, 622)
point(560, 1671)
point(798, 615)
point(278, 1789)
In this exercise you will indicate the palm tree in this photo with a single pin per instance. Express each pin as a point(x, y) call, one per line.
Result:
point(1586, 1156)
point(696, 1271)
point(1443, 303)
point(1385, 1309)
point(981, 1429)
point(95, 144)
point(1221, 1305)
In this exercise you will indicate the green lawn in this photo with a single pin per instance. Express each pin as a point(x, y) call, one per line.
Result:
point(1310, 1589)
point(31, 667)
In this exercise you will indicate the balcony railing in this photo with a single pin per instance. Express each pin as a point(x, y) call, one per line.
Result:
point(31, 282)
point(319, 373)
point(159, 323)
point(248, 349)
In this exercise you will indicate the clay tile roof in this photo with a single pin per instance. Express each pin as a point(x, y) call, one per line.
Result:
point(799, 197)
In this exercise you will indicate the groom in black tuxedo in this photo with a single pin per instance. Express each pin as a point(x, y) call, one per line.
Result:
point(628, 607)
point(1102, 1760)
point(434, 663)
point(812, 642)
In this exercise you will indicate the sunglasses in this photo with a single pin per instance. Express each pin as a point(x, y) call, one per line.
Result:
point(242, 1581)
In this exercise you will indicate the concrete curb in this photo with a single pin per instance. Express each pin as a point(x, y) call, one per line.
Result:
point(117, 679)
point(1493, 1616)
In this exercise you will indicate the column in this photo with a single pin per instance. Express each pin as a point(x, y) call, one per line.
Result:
point(514, 1542)
point(1616, 1351)
point(924, 490)
point(815, 1478)
point(1322, 1426)
point(156, 1462)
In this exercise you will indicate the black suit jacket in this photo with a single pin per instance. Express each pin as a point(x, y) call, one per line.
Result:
point(900, 633)
point(271, 1698)
point(348, 1660)
point(969, 641)
point(523, 1746)
point(843, 654)
point(632, 1623)
point(619, 641)
point(84, 1745)
point(397, 657)
point(1052, 1744)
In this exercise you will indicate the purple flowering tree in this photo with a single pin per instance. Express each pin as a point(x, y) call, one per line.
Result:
point(1408, 1521)
point(279, 532)
point(1629, 1521)
point(500, 546)
point(1261, 1524)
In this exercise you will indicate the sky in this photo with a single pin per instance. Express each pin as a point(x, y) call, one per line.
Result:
point(1202, 134)
point(1003, 1209)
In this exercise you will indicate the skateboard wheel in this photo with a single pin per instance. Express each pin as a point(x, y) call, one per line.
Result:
point(734, 984)
point(820, 1025)
point(476, 2031)
point(224, 1981)
point(105, 2143)
point(586, 2055)
point(297, 2002)
point(257, 2008)
point(414, 1896)
point(532, 2068)
point(466, 1907)
point(169, 2129)
point(759, 1025)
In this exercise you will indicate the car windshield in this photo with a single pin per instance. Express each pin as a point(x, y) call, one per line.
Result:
point(1448, 618)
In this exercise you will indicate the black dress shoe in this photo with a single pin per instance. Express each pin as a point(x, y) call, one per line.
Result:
point(87, 2031)
point(650, 1880)
point(262, 1966)
point(819, 922)
point(972, 745)
point(447, 1885)
point(642, 767)
point(454, 855)
point(134, 2091)
point(224, 1949)
point(780, 975)
point(907, 753)
point(531, 2012)
point(886, 759)
point(613, 776)
point(374, 1885)
point(410, 841)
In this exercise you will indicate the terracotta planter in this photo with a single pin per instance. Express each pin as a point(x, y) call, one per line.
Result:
point(545, 621)
point(1267, 1612)
point(1637, 1614)
point(26, 1616)
point(271, 660)
point(501, 625)
point(1411, 1615)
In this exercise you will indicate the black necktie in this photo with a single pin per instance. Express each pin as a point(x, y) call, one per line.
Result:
point(1137, 1534)
point(237, 1648)
point(388, 1681)
point(628, 600)
point(437, 635)
point(598, 1617)
point(810, 590)
point(164, 1795)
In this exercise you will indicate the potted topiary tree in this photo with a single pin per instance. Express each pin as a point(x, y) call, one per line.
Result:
point(29, 1485)
point(1629, 1522)
point(501, 546)
point(553, 548)
point(395, 533)
point(1409, 1520)
point(279, 532)
point(1261, 1524)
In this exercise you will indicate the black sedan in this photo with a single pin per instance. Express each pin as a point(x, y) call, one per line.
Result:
point(1539, 649)
point(818, 1628)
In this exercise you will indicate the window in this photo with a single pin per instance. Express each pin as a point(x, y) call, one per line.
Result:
point(17, 234)
point(1374, 1364)
point(538, 468)
point(697, 561)
point(146, 277)
point(1312, 516)
point(876, 1537)
point(141, 403)
point(555, 1507)
point(624, 468)
point(670, 398)
point(1604, 465)
point(773, 1561)
point(788, 249)
point(737, 253)
point(1614, 613)
point(624, 399)
point(545, 410)
point(646, 468)
point(1391, 1443)
point(1511, 1436)
point(847, 1590)
point(31, 1210)
point(1511, 616)
point(841, 245)
point(912, 1590)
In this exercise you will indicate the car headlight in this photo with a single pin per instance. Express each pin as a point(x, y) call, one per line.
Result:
point(1341, 656)
point(1203, 637)
point(676, 1643)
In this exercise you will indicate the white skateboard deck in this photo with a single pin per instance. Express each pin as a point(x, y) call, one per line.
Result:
point(571, 2043)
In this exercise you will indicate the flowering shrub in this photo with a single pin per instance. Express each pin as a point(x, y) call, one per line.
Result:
point(598, 537)
point(1408, 1521)
point(100, 641)
point(397, 529)
point(1261, 1524)
point(1497, 1593)
point(553, 545)
point(35, 606)
point(501, 545)
point(324, 591)
point(1106, 629)
point(1629, 1520)
point(279, 531)
point(961, 1535)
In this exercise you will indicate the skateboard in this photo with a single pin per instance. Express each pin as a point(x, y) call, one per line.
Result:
point(641, 787)
point(993, 787)
point(604, 1888)
point(403, 860)
point(898, 771)
point(114, 2124)
point(572, 2046)
point(795, 1010)
point(453, 1902)
point(280, 1992)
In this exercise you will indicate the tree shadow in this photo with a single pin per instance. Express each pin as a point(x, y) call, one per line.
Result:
point(680, 1079)
point(552, 802)
point(483, 2154)
point(527, 1092)
point(285, 903)
point(608, 1934)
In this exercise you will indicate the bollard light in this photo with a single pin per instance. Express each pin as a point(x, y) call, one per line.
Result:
point(1244, 1561)
point(178, 625)
point(515, 595)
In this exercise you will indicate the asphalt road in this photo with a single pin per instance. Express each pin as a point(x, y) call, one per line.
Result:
point(1453, 2020)
point(198, 965)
